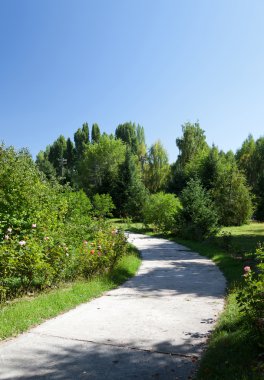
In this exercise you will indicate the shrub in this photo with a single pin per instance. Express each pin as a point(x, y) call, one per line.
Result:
point(43, 224)
point(103, 205)
point(100, 255)
point(250, 297)
point(161, 210)
point(198, 218)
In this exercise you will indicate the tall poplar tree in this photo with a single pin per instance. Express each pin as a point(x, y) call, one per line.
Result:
point(95, 133)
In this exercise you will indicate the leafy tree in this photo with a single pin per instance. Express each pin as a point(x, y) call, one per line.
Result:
point(130, 193)
point(245, 157)
point(250, 159)
point(192, 145)
point(103, 205)
point(81, 139)
point(141, 144)
point(95, 133)
point(157, 168)
point(57, 152)
point(98, 170)
point(161, 210)
point(230, 192)
point(45, 166)
point(69, 153)
point(127, 132)
point(198, 218)
point(69, 162)
point(193, 150)
point(210, 168)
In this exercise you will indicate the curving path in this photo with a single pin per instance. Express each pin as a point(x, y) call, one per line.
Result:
point(155, 326)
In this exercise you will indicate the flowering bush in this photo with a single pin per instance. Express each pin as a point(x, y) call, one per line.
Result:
point(37, 262)
point(102, 253)
point(42, 226)
point(251, 297)
point(31, 264)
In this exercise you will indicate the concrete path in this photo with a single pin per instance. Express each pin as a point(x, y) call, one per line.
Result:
point(153, 327)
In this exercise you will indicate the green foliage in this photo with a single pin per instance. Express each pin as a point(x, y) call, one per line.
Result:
point(81, 139)
point(250, 159)
point(31, 263)
point(98, 170)
point(44, 165)
point(43, 225)
point(78, 220)
point(232, 197)
point(25, 198)
point(198, 218)
point(100, 255)
point(129, 193)
point(103, 205)
point(141, 144)
point(95, 133)
point(157, 168)
point(57, 151)
point(161, 211)
point(192, 147)
point(18, 316)
point(127, 132)
point(250, 297)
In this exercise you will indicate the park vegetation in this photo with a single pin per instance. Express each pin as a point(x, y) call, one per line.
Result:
point(55, 213)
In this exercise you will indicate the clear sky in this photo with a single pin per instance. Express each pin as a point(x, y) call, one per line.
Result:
point(159, 63)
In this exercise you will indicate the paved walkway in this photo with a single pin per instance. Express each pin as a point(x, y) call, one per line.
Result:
point(153, 327)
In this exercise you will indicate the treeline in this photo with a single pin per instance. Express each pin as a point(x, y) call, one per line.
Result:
point(122, 166)
point(118, 165)
point(48, 209)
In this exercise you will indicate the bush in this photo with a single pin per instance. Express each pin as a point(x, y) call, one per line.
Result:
point(250, 297)
point(161, 210)
point(198, 218)
point(36, 262)
point(101, 254)
point(103, 205)
point(42, 226)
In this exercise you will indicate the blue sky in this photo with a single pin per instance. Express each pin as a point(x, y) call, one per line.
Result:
point(159, 63)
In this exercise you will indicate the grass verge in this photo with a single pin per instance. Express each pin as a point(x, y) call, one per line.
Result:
point(19, 315)
point(232, 349)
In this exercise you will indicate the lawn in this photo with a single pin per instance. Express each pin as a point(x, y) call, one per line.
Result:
point(245, 238)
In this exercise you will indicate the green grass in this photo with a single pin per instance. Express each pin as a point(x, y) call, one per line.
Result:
point(246, 238)
point(19, 315)
point(233, 346)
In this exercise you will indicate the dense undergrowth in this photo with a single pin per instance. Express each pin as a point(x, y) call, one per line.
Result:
point(49, 233)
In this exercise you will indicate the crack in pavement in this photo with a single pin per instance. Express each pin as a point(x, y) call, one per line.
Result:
point(185, 356)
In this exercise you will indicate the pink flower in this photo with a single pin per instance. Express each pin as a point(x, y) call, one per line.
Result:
point(22, 242)
point(247, 269)
point(34, 225)
point(99, 253)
